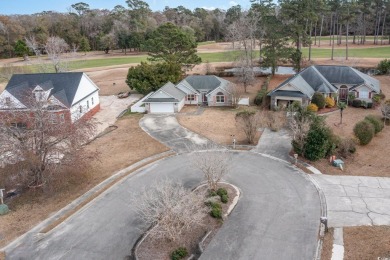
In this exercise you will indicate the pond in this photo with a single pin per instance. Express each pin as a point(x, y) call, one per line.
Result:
point(281, 70)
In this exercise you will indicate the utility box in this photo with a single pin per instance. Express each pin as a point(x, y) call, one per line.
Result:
point(338, 162)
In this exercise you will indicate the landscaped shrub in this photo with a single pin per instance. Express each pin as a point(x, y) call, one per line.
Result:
point(346, 147)
point(384, 67)
point(261, 95)
point(216, 210)
point(179, 253)
point(224, 198)
point(364, 131)
point(212, 193)
point(319, 100)
point(351, 98)
point(329, 102)
point(376, 122)
point(312, 107)
point(221, 191)
point(320, 140)
point(356, 103)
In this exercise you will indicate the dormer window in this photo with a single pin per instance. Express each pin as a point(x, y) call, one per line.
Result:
point(39, 95)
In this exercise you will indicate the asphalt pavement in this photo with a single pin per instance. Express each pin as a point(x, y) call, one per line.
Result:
point(277, 216)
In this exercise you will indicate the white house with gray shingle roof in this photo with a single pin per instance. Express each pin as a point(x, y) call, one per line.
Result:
point(331, 81)
point(193, 90)
point(70, 96)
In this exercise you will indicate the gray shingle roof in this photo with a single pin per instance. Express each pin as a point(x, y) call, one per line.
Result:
point(170, 89)
point(209, 82)
point(64, 85)
point(322, 79)
point(285, 93)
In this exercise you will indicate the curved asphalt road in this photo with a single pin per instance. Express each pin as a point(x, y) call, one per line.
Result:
point(277, 216)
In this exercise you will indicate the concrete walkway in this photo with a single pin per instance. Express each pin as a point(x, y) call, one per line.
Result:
point(356, 200)
point(168, 131)
point(277, 144)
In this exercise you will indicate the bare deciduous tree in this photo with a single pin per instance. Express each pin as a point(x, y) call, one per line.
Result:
point(236, 93)
point(55, 48)
point(243, 31)
point(170, 209)
point(299, 124)
point(43, 139)
point(385, 108)
point(249, 122)
point(214, 165)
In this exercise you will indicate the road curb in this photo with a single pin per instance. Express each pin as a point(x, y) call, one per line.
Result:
point(83, 201)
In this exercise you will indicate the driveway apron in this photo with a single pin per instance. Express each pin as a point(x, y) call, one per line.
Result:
point(277, 144)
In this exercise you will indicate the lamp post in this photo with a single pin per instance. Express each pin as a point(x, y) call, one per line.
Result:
point(234, 141)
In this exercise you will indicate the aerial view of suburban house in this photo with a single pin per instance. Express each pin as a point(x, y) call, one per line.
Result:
point(339, 82)
point(206, 90)
point(70, 96)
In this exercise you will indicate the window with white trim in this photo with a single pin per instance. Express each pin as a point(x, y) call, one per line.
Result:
point(92, 101)
point(53, 118)
point(87, 104)
point(62, 118)
point(191, 97)
point(220, 97)
point(7, 101)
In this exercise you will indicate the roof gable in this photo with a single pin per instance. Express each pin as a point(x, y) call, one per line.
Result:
point(62, 84)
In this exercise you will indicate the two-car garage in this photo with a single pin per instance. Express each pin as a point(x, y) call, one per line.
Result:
point(161, 108)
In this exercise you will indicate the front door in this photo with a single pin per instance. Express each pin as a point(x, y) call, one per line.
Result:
point(204, 98)
point(343, 93)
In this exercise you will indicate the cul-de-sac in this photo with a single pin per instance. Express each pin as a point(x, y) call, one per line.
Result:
point(247, 129)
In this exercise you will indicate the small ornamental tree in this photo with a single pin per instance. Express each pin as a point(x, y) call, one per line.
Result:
point(319, 140)
point(319, 100)
point(248, 121)
point(170, 208)
point(364, 131)
point(214, 165)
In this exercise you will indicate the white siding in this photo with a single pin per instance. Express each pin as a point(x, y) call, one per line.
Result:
point(85, 88)
point(14, 103)
point(75, 110)
point(180, 105)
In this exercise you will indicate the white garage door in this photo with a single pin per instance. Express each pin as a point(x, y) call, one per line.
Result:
point(161, 108)
point(363, 94)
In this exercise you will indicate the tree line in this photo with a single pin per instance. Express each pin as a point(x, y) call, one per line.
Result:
point(126, 27)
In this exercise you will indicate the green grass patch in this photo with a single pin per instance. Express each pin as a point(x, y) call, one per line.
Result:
point(378, 52)
point(106, 62)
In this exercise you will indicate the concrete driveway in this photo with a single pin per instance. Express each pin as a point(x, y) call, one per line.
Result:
point(356, 200)
point(168, 131)
point(110, 108)
point(276, 218)
point(277, 144)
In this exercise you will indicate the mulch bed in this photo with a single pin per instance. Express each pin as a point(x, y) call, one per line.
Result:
point(161, 249)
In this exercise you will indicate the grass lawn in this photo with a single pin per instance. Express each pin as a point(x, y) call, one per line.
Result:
point(378, 52)
point(205, 43)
